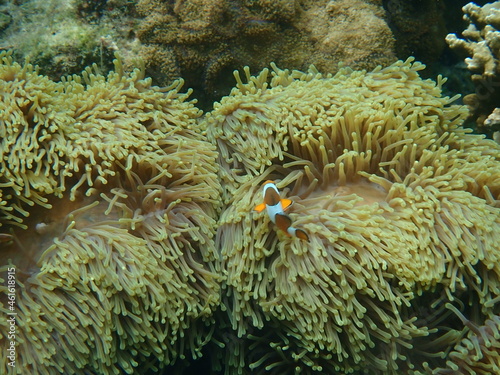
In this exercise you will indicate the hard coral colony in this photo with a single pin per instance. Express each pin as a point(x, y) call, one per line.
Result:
point(128, 260)
point(481, 43)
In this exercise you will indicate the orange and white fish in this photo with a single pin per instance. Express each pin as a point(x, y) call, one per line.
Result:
point(276, 207)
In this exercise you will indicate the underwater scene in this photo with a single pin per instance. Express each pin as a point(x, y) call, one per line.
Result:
point(236, 187)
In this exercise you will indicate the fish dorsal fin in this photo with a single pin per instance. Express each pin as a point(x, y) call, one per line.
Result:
point(283, 222)
point(286, 203)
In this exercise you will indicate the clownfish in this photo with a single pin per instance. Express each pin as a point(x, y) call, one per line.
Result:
point(276, 207)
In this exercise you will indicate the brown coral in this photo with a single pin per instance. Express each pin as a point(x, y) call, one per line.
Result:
point(209, 39)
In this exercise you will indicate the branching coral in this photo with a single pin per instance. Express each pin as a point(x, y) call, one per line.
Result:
point(481, 38)
point(397, 198)
point(110, 196)
point(481, 44)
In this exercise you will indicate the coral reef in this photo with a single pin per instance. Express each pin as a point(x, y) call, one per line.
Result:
point(109, 196)
point(210, 39)
point(399, 202)
point(492, 124)
point(201, 41)
point(481, 44)
point(419, 28)
point(63, 36)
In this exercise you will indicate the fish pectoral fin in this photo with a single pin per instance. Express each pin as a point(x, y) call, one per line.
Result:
point(260, 207)
point(286, 203)
point(299, 233)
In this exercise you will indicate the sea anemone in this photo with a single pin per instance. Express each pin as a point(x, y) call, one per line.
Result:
point(476, 354)
point(398, 200)
point(110, 198)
